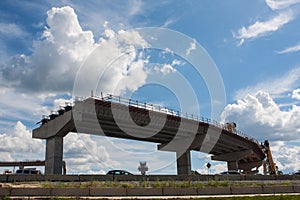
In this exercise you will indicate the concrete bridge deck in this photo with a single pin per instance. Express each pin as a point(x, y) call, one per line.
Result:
point(143, 122)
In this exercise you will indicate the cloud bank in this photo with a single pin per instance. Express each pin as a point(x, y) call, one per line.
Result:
point(18, 145)
point(262, 118)
point(63, 48)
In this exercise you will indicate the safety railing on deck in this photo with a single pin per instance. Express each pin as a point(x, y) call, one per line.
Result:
point(165, 110)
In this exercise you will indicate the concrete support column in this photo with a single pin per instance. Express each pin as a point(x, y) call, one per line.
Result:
point(184, 163)
point(54, 155)
point(232, 165)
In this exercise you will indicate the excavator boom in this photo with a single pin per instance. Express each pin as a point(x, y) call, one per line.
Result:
point(271, 165)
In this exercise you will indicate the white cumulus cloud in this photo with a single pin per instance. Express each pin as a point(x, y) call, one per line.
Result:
point(286, 156)
point(260, 117)
point(166, 69)
point(63, 48)
point(18, 145)
point(83, 153)
point(296, 94)
point(55, 58)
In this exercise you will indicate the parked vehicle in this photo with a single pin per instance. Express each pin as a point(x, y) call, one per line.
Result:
point(7, 171)
point(28, 171)
point(230, 172)
point(119, 172)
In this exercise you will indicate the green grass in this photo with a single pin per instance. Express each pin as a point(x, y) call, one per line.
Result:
point(157, 184)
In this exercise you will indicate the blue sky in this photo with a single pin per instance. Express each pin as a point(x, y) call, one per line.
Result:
point(255, 47)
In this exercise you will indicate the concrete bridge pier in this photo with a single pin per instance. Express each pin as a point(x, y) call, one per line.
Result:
point(232, 165)
point(184, 163)
point(54, 155)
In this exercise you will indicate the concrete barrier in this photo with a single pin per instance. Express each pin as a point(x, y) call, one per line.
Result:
point(30, 191)
point(296, 188)
point(108, 192)
point(284, 177)
point(3, 178)
point(283, 189)
point(126, 177)
point(205, 177)
point(160, 177)
point(214, 191)
point(84, 178)
point(77, 192)
point(252, 177)
point(246, 190)
point(144, 191)
point(64, 178)
point(4, 192)
point(24, 177)
point(105, 192)
point(268, 189)
point(179, 191)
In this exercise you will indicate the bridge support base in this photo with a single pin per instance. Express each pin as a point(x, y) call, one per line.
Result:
point(54, 155)
point(232, 165)
point(184, 163)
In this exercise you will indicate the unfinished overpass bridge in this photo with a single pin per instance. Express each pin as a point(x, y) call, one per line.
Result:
point(173, 131)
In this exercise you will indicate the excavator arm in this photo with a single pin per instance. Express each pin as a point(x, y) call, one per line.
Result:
point(269, 161)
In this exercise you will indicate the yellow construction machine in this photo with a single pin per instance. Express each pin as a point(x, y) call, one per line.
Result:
point(269, 165)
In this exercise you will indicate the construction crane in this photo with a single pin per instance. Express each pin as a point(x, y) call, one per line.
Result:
point(271, 167)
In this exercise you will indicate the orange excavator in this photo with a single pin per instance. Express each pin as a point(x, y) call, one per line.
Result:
point(269, 165)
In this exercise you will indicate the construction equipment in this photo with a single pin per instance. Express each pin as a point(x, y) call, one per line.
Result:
point(230, 126)
point(269, 164)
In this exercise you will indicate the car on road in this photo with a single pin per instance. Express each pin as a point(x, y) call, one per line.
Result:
point(230, 172)
point(297, 173)
point(28, 171)
point(119, 172)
